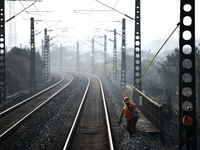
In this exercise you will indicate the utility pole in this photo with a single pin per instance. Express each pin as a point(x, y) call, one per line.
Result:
point(42, 49)
point(2, 51)
point(115, 57)
point(137, 50)
point(187, 93)
point(105, 58)
point(46, 57)
point(93, 69)
point(32, 67)
point(123, 61)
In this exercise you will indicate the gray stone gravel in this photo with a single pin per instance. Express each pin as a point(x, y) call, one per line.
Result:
point(41, 132)
point(142, 140)
point(42, 129)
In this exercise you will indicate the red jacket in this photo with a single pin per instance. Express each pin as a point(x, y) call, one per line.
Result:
point(127, 112)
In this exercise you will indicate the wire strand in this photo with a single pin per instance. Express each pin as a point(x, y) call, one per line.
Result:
point(153, 60)
point(116, 4)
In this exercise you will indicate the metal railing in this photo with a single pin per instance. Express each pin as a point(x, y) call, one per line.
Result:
point(151, 109)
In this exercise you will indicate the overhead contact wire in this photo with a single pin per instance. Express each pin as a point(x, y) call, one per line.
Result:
point(20, 12)
point(116, 10)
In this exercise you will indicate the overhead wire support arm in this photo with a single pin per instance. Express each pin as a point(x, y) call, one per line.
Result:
point(49, 26)
point(38, 11)
point(116, 10)
point(82, 11)
point(90, 10)
point(20, 12)
point(113, 31)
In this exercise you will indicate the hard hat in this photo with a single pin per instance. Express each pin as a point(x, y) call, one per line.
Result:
point(126, 100)
point(189, 108)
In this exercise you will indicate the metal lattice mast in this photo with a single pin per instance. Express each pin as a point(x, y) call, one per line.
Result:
point(187, 95)
point(115, 57)
point(12, 36)
point(93, 69)
point(43, 49)
point(77, 56)
point(105, 58)
point(137, 51)
point(2, 51)
point(46, 58)
point(33, 74)
point(123, 61)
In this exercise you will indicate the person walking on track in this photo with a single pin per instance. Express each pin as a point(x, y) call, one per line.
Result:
point(131, 114)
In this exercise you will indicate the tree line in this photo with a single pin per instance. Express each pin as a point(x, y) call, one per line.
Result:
point(18, 70)
point(163, 75)
point(161, 78)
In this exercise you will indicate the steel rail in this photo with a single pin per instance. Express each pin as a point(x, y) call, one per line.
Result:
point(15, 126)
point(26, 100)
point(107, 116)
point(69, 138)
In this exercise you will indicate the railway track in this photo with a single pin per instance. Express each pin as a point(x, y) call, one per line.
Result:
point(50, 127)
point(13, 117)
point(8, 110)
point(91, 127)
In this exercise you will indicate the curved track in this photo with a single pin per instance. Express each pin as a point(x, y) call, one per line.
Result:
point(49, 126)
point(13, 117)
point(8, 110)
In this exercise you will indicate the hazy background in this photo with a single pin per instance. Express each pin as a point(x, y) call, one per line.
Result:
point(78, 20)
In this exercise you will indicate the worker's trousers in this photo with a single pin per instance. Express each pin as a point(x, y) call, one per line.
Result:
point(131, 125)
